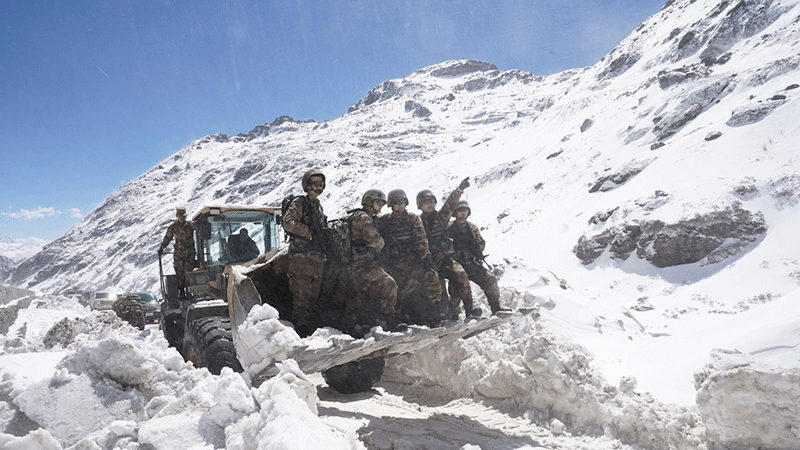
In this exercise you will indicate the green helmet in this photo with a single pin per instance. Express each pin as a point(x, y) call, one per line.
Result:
point(372, 194)
point(395, 195)
point(307, 177)
point(422, 195)
point(462, 205)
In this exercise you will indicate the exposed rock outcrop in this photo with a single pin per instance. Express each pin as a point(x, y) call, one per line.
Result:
point(710, 238)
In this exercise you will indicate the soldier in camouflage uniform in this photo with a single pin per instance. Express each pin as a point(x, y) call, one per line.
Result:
point(469, 246)
point(374, 289)
point(407, 258)
point(131, 310)
point(183, 259)
point(441, 247)
point(302, 222)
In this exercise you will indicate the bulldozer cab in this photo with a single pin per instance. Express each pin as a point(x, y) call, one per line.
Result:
point(227, 235)
point(198, 324)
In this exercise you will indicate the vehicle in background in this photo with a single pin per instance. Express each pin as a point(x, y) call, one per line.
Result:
point(73, 293)
point(152, 307)
point(103, 300)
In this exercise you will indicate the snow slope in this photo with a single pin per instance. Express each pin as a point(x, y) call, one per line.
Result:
point(687, 130)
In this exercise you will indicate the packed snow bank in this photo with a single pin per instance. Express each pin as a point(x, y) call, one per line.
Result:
point(530, 370)
point(117, 387)
point(747, 403)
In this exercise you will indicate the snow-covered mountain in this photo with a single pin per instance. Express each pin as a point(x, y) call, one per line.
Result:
point(648, 203)
point(18, 250)
point(692, 114)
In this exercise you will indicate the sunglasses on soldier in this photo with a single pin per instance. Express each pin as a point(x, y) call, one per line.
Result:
point(380, 202)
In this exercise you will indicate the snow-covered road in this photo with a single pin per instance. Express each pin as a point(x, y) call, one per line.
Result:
point(401, 416)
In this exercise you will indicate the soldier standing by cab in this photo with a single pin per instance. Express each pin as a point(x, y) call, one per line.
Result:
point(375, 290)
point(304, 221)
point(469, 246)
point(183, 258)
point(441, 246)
point(407, 258)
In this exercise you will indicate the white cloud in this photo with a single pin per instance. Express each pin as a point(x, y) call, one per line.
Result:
point(76, 213)
point(33, 214)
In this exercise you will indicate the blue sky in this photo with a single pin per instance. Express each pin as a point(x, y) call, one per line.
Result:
point(94, 93)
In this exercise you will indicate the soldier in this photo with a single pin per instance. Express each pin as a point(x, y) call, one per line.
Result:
point(131, 310)
point(407, 258)
point(441, 247)
point(375, 290)
point(303, 222)
point(469, 246)
point(183, 259)
point(242, 247)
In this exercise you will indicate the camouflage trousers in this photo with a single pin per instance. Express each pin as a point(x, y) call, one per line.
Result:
point(182, 264)
point(305, 273)
point(374, 293)
point(458, 289)
point(418, 292)
point(485, 279)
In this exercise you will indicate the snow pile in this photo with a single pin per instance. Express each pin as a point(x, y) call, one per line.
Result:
point(263, 340)
point(287, 417)
point(111, 386)
point(528, 369)
point(746, 403)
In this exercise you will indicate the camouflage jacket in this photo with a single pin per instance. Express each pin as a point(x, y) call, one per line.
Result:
point(467, 241)
point(436, 226)
point(183, 233)
point(128, 306)
point(404, 236)
point(367, 242)
point(298, 222)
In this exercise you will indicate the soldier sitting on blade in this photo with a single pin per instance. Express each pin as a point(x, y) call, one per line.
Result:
point(374, 289)
point(441, 246)
point(469, 246)
point(407, 258)
point(303, 222)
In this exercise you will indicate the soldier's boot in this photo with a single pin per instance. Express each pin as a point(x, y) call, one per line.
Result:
point(439, 314)
point(469, 310)
point(495, 306)
point(393, 323)
point(453, 309)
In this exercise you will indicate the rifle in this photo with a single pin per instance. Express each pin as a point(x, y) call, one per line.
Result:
point(316, 229)
point(475, 249)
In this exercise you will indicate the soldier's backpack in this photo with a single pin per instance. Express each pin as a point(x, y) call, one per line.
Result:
point(284, 207)
point(339, 235)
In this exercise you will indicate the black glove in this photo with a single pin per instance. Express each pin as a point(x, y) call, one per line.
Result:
point(160, 251)
point(464, 184)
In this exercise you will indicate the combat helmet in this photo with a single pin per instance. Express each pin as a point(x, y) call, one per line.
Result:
point(422, 195)
point(395, 195)
point(462, 204)
point(372, 194)
point(307, 177)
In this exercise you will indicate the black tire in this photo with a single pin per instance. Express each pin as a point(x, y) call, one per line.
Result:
point(209, 344)
point(172, 326)
point(356, 376)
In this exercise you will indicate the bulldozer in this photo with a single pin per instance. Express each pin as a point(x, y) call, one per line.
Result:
point(238, 310)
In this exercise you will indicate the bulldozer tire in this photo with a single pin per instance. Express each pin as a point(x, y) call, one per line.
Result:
point(209, 344)
point(356, 376)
